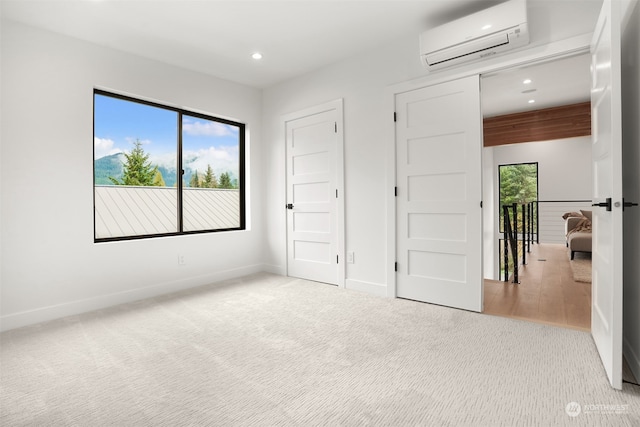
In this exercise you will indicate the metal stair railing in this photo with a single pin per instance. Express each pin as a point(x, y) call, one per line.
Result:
point(518, 231)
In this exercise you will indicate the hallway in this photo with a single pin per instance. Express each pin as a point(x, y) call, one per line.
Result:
point(546, 294)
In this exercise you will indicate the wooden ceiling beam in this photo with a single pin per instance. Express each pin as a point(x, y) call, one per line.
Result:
point(567, 121)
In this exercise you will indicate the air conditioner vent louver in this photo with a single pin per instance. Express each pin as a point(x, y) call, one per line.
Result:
point(469, 48)
point(468, 38)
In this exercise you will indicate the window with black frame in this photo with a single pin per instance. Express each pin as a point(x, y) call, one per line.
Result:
point(518, 183)
point(162, 171)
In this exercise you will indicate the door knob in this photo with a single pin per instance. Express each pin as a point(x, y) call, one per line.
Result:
point(289, 206)
point(606, 204)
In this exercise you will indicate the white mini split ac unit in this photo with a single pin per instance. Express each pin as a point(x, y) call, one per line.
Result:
point(497, 29)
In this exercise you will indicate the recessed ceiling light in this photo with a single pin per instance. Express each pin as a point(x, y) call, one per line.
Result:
point(526, 81)
point(257, 55)
point(531, 101)
point(486, 27)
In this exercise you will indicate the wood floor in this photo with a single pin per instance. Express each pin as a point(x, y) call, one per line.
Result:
point(547, 292)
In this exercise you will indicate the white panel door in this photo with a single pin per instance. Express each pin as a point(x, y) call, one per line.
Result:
point(312, 250)
point(439, 191)
point(606, 96)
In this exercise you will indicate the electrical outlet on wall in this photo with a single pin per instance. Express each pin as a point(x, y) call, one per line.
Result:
point(350, 257)
point(181, 260)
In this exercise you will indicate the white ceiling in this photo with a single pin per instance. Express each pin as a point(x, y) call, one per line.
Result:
point(218, 37)
point(559, 82)
point(296, 37)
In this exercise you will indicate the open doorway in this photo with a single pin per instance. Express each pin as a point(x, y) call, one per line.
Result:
point(537, 115)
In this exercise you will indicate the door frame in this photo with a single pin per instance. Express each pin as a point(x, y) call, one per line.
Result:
point(336, 105)
point(630, 189)
point(539, 54)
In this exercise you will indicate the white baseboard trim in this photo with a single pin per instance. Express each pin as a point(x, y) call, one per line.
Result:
point(274, 269)
point(368, 287)
point(30, 317)
point(633, 359)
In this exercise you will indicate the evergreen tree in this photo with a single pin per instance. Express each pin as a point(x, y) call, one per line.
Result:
point(158, 179)
point(195, 180)
point(225, 181)
point(210, 180)
point(518, 184)
point(137, 168)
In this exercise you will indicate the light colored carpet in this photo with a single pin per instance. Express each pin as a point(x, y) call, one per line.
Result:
point(581, 267)
point(269, 350)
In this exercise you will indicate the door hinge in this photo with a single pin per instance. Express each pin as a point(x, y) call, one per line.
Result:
point(395, 116)
point(335, 127)
point(337, 259)
point(336, 193)
point(480, 203)
point(395, 266)
point(395, 191)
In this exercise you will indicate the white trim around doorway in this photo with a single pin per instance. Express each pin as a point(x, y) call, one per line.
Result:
point(529, 55)
point(336, 105)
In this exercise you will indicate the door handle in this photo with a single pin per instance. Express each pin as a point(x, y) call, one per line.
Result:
point(627, 204)
point(606, 204)
point(289, 206)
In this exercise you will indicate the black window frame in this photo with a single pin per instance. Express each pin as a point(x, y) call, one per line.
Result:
point(537, 164)
point(179, 170)
point(500, 212)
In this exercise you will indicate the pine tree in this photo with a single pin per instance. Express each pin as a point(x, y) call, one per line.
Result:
point(137, 168)
point(210, 180)
point(518, 184)
point(195, 180)
point(225, 181)
point(158, 179)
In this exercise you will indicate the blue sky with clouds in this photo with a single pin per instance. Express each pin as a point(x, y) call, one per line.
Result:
point(118, 123)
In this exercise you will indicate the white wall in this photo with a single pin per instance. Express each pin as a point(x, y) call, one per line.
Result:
point(363, 82)
point(564, 165)
point(50, 265)
point(1, 173)
point(564, 173)
point(631, 185)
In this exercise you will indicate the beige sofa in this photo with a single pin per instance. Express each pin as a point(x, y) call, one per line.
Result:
point(578, 232)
